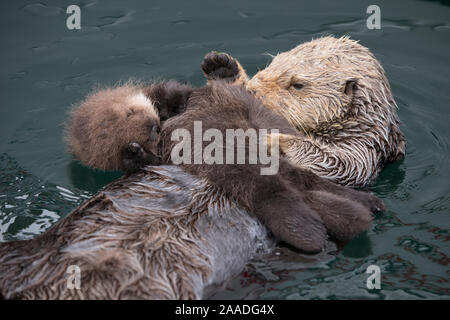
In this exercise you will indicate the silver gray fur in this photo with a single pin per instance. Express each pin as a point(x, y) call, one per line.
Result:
point(159, 234)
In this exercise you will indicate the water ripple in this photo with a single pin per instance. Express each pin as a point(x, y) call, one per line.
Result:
point(41, 9)
point(29, 206)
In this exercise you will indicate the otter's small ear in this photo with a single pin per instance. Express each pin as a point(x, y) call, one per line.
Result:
point(350, 87)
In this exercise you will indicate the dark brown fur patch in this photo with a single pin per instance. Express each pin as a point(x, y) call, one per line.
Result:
point(294, 203)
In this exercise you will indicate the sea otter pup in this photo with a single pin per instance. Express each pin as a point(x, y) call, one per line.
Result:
point(336, 94)
point(296, 205)
point(102, 127)
point(120, 112)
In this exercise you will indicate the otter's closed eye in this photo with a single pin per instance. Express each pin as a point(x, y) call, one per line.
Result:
point(297, 86)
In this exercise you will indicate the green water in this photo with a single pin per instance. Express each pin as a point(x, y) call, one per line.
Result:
point(45, 68)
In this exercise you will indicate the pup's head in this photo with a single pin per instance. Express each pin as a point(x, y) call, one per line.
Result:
point(107, 121)
point(331, 82)
point(142, 122)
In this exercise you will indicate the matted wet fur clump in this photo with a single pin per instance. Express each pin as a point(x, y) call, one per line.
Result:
point(337, 96)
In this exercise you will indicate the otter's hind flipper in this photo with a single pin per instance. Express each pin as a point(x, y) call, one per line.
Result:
point(343, 218)
point(292, 221)
point(306, 180)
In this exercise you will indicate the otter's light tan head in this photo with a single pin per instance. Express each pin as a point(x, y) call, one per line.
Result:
point(327, 84)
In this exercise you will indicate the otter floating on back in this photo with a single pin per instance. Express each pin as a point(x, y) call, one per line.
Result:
point(134, 243)
point(336, 94)
point(221, 107)
point(163, 233)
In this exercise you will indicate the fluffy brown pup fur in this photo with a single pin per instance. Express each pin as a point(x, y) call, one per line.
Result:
point(123, 113)
point(107, 129)
point(336, 94)
point(299, 207)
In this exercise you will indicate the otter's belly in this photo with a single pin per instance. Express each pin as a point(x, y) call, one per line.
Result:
point(160, 234)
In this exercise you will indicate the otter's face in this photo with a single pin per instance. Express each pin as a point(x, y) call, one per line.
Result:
point(142, 124)
point(315, 82)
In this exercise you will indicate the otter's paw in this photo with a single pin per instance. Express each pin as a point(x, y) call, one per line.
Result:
point(134, 157)
point(217, 65)
point(283, 141)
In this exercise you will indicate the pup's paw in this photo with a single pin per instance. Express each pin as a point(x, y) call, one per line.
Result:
point(134, 157)
point(218, 65)
point(135, 150)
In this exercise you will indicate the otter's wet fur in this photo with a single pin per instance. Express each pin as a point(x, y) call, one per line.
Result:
point(337, 95)
point(299, 207)
point(222, 107)
point(157, 234)
point(163, 233)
